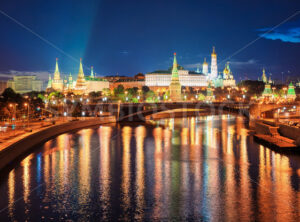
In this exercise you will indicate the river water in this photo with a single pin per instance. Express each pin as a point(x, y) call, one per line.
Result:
point(186, 169)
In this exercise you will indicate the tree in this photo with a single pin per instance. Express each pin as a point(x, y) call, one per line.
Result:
point(145, 89)
point(150, 95)
point(106, 92)
point(119, 90)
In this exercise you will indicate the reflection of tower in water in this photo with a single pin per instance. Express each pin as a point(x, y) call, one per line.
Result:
point(140, 133)
point(104, 133)
point(126, 137)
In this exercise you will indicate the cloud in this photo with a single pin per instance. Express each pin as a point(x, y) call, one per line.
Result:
point(290, 32)
point(232, 63)
point(193, 65)
point(243, 63)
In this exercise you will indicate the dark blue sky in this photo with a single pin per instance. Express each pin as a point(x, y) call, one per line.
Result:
point(131, 36)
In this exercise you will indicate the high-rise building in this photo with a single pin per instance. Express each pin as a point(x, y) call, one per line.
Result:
point(175, 87)
point(25, 84)
point(213, 65)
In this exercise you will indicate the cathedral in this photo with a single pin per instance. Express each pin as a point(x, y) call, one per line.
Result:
point(225, 80)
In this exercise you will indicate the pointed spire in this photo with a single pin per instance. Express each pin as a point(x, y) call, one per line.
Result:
point(175, 70)
point(56, 73)
point(214, 51)
point(80, 72)
point(92, 72)
point(175, 61)
point(49, 82)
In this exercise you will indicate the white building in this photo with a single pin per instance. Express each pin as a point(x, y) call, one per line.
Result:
point(162, 78)
point(25, 84)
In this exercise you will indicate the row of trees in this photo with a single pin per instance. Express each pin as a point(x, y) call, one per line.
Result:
point(15, 105)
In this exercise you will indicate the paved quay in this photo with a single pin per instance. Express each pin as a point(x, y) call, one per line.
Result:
point(14, 147)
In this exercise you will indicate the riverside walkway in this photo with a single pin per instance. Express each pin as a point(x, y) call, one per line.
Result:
point(23, 140)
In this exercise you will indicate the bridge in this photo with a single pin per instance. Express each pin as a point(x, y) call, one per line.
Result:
point(139, 111)
point(258, 110)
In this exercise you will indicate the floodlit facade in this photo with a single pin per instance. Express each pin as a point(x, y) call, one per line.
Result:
point(175, 87)
point(225, 80)
point(3, 85)
point(25, 84)
point(83, 84)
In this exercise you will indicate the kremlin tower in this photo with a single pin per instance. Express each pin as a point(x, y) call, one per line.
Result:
point(205, 67)
point(175, 87)
point(80, 83)
point(57, 83)
point(92, 72)
point(213, 66)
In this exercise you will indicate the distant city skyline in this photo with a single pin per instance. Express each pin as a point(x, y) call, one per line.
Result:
point(130, 38)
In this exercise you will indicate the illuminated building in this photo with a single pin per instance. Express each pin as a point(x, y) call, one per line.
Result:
point(267, 91)
point(175, 87)
point(226, 80)
point(264, 77)
point(80, 86)
point(214, 65)
point(25, 84)
point(209, 92)
point(57, 83)
point(127, 83)
point(161, 79)
point(205, 67)
point(95, 84)
point(291, 94)
point(83, 84)
point(3, 85)
point(49, 85)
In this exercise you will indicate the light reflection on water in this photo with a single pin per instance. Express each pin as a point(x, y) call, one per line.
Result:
point(193, 168)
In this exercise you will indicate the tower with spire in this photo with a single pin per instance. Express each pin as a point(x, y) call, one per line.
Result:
point(291, 94)
point(214, 65)
point(205, 67)
point(92, 72)
point(49, 85)
point(175, 86)
point(57, 83)
point(70, 82)
point(264, 77)
point(80, 82)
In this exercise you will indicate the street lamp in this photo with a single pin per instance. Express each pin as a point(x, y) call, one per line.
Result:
point(27, 106)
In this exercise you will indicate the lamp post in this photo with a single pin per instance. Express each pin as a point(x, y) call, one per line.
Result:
point(27, 106)
point(284, 89)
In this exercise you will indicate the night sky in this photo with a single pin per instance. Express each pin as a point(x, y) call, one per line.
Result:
point(132, 36)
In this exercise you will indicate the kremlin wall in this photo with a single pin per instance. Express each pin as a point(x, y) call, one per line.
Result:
point(170, 80)
point(157, 80)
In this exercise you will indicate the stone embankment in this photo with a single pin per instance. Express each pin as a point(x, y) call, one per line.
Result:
point(277, 136)
point(12, 150)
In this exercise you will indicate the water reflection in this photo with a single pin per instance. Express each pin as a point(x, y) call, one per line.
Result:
point(198, 168)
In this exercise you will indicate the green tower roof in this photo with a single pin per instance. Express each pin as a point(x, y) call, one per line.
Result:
point(267, 91)
point(175, 70)
point(291, 90)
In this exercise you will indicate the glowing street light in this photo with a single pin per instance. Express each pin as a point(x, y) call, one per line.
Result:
point(27, 106)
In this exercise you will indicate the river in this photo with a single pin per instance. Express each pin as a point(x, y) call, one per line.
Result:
point(185, 169)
